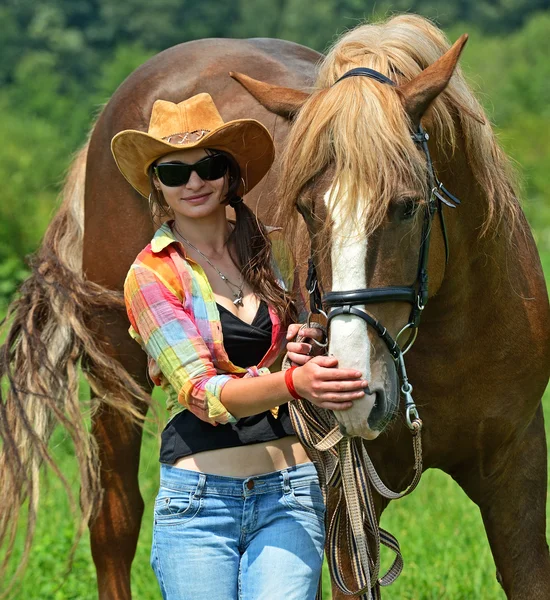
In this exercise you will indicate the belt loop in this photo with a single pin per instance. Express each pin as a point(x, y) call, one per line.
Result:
point(200, 485)
point(286, 481)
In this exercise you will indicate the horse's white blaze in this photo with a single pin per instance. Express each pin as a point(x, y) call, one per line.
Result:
point(349, 341)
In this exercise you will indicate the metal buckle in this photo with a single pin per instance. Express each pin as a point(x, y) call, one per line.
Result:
point(410, 340)
point(308, 324)
point(414, 423)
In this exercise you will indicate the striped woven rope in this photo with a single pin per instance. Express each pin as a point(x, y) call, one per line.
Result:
point(343, 464)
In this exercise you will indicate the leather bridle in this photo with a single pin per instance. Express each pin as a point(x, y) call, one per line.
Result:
point(346, 302)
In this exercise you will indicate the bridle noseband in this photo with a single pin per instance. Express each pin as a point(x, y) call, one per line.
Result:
point(345, 302)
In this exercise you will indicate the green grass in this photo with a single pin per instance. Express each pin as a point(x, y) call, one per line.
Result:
point(443, 543)
point(440, 531)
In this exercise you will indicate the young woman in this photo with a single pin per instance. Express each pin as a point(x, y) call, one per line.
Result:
point(239, 513)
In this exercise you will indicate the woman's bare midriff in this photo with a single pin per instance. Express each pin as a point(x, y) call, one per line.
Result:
point(246, 461)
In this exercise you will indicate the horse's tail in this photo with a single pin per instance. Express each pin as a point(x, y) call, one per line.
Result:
point(48, 333)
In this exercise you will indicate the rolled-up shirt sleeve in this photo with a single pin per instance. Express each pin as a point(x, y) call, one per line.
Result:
point(169, 336)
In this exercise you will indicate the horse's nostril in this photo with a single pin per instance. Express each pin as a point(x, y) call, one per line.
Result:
point(378, 411)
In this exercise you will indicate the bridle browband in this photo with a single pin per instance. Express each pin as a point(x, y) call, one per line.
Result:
point(345, 303)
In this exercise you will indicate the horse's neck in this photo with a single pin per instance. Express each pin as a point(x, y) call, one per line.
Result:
point(500, 267)
point(485, 333)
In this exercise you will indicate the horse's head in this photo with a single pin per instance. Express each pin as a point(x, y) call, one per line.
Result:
point(361, 181)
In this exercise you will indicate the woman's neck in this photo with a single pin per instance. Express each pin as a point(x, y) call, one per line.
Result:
point(209, 235)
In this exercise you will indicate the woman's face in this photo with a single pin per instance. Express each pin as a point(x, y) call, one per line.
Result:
point(197, 198)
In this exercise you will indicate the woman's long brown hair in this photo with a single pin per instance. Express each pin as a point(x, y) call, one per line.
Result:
point(249, 244)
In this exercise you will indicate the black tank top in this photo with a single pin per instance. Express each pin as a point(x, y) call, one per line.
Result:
point(245, 345)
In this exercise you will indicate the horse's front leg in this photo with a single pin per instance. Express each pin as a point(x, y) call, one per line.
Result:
point(510, 489)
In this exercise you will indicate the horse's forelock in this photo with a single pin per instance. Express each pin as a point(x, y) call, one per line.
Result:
point(360, 125)
point(359, 129)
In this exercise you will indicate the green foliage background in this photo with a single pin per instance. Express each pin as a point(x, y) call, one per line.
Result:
point(60, 62)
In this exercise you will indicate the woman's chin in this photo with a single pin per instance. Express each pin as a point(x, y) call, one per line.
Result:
point(198, 210)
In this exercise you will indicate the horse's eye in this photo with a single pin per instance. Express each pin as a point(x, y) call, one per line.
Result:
point(409, 208)
point(406, 208)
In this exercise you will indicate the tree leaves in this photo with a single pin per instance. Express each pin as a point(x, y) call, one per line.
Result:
point(63, 59)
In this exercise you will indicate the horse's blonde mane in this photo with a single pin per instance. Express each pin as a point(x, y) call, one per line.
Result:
point(360, 127)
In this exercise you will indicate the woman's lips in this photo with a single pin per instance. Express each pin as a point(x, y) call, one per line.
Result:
point(197, 199)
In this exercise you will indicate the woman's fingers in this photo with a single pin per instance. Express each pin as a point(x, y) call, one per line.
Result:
point(298, 353)
point(298, 359)
point(338, 374)
point(335, 374)
point(305, 332)
point(321, 382)
point(336, 401)
point(292, 331)
point(313, 332)
point(340, 386)
point(328, 362)
point(329, 395)
point(335, 405)
point(298, 348)
point(328, 369)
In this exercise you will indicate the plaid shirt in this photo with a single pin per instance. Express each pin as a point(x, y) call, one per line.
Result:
point(174, 317)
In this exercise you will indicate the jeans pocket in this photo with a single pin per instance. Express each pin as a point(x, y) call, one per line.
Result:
point(175, 505)
point(307, 496)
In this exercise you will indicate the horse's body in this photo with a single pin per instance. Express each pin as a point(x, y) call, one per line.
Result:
point(175, 74)
point(479, 366)
point(482, 358)
point(97, 233)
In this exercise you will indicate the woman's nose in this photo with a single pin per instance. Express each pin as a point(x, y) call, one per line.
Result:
point(195, 182)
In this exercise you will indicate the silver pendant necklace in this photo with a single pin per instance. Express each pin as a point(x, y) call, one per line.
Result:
point(236, 290)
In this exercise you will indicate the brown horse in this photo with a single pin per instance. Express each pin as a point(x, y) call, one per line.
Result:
point(71, 309)
point(487, 313)
point(358, 169)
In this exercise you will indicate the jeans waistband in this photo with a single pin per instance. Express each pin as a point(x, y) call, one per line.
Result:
point(191, 481)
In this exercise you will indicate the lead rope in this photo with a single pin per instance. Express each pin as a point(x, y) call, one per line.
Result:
point(343, 464)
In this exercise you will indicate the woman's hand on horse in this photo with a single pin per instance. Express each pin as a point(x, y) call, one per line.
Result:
point(322, 383)
point(299, 353)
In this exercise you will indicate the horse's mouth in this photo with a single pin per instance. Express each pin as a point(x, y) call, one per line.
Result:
point(382, 412)
point(371, 414)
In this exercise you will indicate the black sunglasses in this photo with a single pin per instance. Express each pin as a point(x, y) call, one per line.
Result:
point(174, 174)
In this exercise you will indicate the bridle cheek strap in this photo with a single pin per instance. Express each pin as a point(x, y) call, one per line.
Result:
point(416, 295)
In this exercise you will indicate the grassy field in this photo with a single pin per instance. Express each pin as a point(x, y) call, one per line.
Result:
point(440, 531)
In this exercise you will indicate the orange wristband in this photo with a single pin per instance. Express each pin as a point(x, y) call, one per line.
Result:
point(290, 384)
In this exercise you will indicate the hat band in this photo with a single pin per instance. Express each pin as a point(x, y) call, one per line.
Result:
point(187, 137)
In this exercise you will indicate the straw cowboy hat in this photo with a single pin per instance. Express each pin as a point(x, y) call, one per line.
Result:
point(193, 123)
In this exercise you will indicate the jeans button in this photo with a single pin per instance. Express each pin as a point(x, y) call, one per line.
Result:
point(250, 484)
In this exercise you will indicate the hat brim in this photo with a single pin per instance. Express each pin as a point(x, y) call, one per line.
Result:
point(247, 140)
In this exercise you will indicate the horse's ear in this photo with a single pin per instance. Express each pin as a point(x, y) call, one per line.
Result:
point(279, 100)
point(420, 92)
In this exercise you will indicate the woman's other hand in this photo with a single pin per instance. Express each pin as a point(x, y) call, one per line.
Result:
point(299, 353)
point(322, 383)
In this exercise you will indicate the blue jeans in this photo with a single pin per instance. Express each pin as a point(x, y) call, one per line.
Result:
point(225, 538)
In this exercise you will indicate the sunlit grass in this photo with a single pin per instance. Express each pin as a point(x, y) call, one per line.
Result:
point(440, 531)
